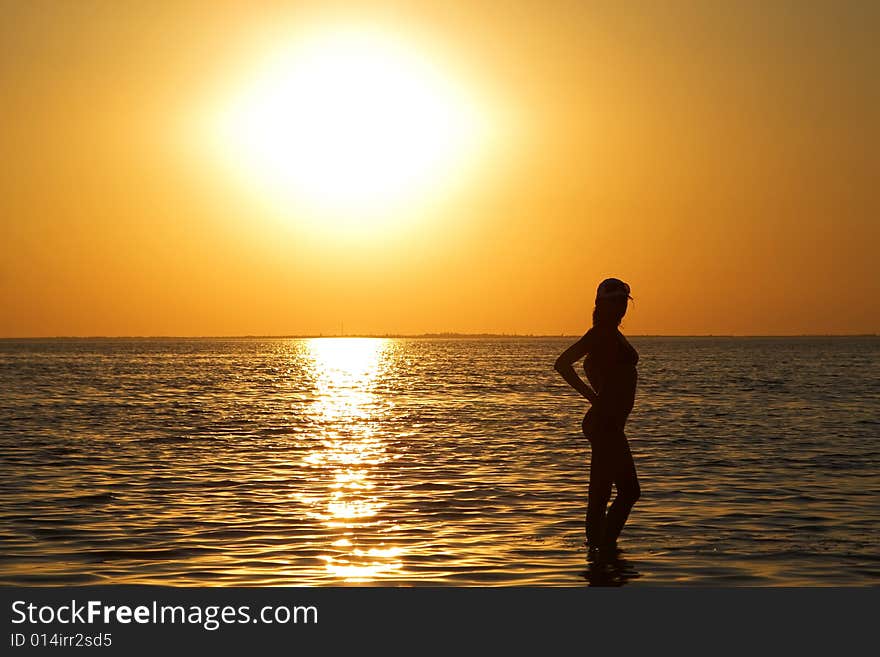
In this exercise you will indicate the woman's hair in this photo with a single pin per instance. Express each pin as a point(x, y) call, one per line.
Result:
point(609, 312)
point(611, 299)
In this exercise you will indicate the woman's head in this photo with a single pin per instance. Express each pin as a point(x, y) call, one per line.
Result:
point(611, 301)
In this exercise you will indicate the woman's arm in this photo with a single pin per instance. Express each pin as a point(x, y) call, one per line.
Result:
point(564, 365)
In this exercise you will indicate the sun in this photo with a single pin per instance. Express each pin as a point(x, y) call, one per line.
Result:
point(350, 123)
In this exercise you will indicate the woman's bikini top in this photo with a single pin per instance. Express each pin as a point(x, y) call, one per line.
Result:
point(610, 358)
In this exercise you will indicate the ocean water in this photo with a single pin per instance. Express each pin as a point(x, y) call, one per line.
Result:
point(431, 462)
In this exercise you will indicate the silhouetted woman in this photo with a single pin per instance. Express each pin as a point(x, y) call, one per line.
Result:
point(610, 366)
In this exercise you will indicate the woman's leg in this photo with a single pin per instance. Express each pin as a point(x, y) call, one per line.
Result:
point(627, 482)
point(601, 480)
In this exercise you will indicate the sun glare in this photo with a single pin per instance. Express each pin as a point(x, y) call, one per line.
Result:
point(350, 123)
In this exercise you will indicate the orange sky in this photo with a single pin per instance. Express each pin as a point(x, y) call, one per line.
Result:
point(720, 157)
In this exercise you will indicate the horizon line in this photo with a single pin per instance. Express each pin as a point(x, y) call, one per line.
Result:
point(442, 334)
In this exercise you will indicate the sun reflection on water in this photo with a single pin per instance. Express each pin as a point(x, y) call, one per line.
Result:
point(346, 413)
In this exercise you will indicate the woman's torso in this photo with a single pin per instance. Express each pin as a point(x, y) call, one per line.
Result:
point(610, 367)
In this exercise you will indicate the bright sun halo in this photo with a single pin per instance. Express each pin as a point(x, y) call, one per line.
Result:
point(350, 122)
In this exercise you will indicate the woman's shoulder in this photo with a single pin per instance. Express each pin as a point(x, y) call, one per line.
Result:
point(598, 336)
point(602, 331)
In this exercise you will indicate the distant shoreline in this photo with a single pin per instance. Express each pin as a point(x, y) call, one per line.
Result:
point(470, 336)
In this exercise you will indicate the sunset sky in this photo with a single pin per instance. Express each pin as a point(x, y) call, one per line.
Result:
point(256, 168)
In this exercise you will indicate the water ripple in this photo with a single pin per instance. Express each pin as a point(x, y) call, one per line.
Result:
point(429, 461)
